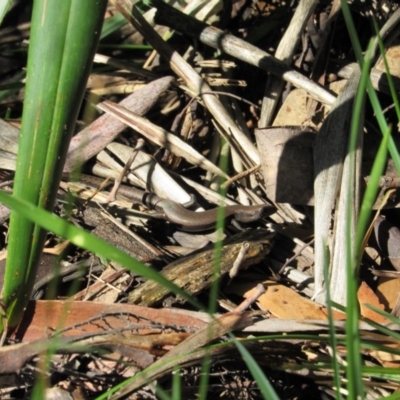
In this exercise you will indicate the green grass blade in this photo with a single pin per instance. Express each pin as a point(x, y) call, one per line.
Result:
point(63, 40)
point(394, 396)
point(112, 24)
point(177, 384)
point(355, 384)
point(13, 86)
point(4, 7)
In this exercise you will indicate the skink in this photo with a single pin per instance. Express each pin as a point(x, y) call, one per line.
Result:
point(193, 221)
point(185, 219)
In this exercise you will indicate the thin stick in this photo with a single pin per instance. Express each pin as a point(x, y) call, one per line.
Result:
point(112, 196)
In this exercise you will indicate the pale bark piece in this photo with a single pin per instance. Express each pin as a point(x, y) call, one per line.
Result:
point(329, 155)
point(286, 154)
point(195, 272)
point(9, 135)
point(4, 213)
point(345, 223)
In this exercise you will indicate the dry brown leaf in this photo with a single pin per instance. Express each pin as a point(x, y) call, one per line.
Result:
point(294, 109)
point(43, 315)
point(388, 291)
point(286, 303)
point(367, 296)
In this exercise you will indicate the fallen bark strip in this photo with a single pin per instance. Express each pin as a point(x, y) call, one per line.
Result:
point(195, 272)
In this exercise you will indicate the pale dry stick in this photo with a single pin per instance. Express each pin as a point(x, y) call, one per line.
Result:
point(285, 52)
point(110, 168)
point(239, 260)
point(214, 197)
point(124, 88)
point(205, 7)
point(234, 96)
point(163, 185)
point(6, 183)
point(329, 154)
point(377, 214)
point(293, 325)
point(95, 287)
point(104, 282)
point(237, 177)
point(95, 192)
point(304, 283)
point(192, 80)
point(385, 274)
point(160, 136)
point(94, 138)
point(238, 48)
point(298, 253)
point(83, 192)
point(255, 294)
point(127, 166)
point(124, 65)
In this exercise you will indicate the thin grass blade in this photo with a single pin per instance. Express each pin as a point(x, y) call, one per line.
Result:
point(63, 40)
